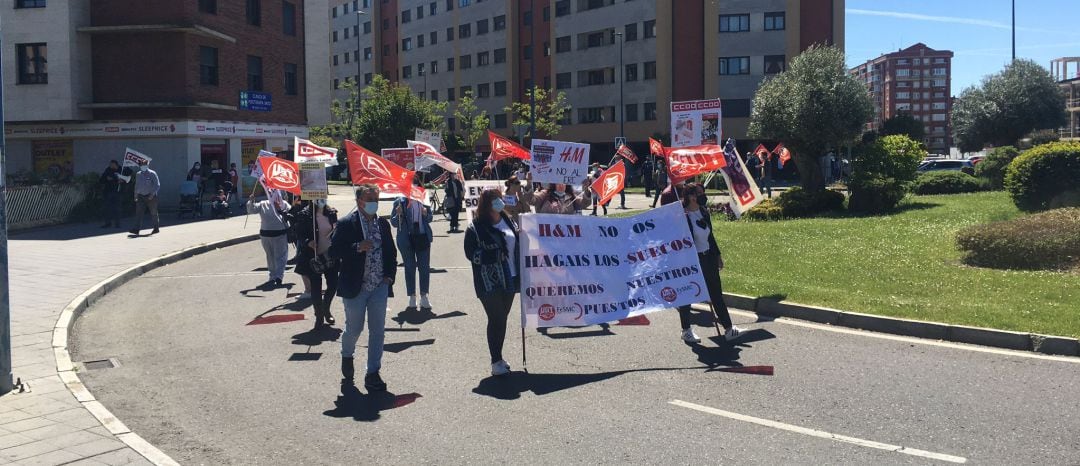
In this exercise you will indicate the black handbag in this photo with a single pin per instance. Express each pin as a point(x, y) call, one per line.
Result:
point(321, 263)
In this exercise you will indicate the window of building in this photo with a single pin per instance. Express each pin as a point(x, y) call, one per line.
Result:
point(386, 50)
point(385, 24)
point(333, 36)
point(774, 21)
point(205, 6)
point(465, 90)
point(649, 29)
point(594, 115)
point(345, 8)
point(594, 4)
point(547, 14)
point(449, 5)
point(630, 71)
point(939, 83)
point(482, 27)
point(650, 110)
point(367, 53)
point(736, 108)
point(595, 77)
point(483, 90)
point(335, 60)
point(939, 117)
point(465, 62)
point(562, 44)
point(450, 64)
point(449, 34)
point(526, 18)
point(939, 106)
point(939, 95)
point(734, 23)
point(406, 16)
point(337, 84)
point(434, 66)
point(367, 78)
point(406, 72)
point(451, 123)
point(420, 12)
point(464, 2)
point(734, 65)
point(432, 9)
point(904, 72)
point(208, 66)
point(630, 112)
point(406, 44)
point(500, 55)
point(254, 73)
point(630, 32)
point(903, 95)
point(288, 19)
point(420, 41)
point(367, 27)
point(254, 12)
point(650, 70)
point(774, 64)
point(499, 22)
point(939, 61)
point(500, 88)
point(526, 52)
point(450, 96)
point(346, 32)
point(562, 81)
point(939, 71)
point(435, 95)
point(356, 30)
point(903, 107)
point(902, 61)
point(291, 87)
point(483, 58)
point(500, 121)
point(595, 39)
point(346, 55)
point(562, 8)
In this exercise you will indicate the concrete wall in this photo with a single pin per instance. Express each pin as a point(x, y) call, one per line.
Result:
point(342, 46)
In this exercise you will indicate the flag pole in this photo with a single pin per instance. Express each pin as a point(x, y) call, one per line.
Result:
point(524, 362)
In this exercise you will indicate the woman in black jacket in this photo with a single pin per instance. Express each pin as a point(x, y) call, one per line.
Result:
point(314, 239)
point(491, 245)
point(700, 223)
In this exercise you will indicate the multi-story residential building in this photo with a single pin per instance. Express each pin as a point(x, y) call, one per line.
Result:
point(1066, 72)
point(182, 81)
point(916, 81)
point(497, 48)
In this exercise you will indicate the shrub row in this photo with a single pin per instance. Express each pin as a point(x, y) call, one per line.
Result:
point(1045, 177)
point(948, 182)
point(1045, 241)
point(797, 203)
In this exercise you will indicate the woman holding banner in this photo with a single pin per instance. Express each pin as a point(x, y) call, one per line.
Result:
point(313, 263)
point(700, 223)
point(491, 245)
point(413, 221)
point(560, 199)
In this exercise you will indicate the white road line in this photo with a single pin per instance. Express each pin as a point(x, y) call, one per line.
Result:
point(921, 341)
point(821, 434)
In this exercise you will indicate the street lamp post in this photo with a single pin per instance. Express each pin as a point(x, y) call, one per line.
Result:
point(1013, 30)
point(532, 71)
point(359, 51)
point(622, 71)
point(5, 305)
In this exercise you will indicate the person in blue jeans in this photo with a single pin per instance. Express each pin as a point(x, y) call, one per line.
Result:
point(364, 244)
point(413, 222)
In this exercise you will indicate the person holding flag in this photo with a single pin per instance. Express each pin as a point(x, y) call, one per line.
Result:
point(454, 196)
point(147, 185)
point(272, 234)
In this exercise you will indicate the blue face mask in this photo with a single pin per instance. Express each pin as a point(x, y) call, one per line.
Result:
point(371, 207)
point(498, 205)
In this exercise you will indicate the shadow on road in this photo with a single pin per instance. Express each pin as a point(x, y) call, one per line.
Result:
point(317, 336)
point(402, 346)
point(603, 331)
point(415, 316)
point(510, 387)
point(366, 407)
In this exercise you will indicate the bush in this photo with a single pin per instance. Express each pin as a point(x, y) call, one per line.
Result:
point(992, 168)
point(1045, 177)
point(797, 203)
point(1044, 241)
point(882, 171)
point(948, 182)
point(876, 195)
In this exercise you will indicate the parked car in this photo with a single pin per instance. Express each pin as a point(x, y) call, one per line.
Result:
point(975, 159)
point(943, 165)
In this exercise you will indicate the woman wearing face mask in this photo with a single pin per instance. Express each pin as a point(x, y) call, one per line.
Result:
point(413, 222)
point(700, 223)
point(491, 245)
point(560, 199)
point(516, 198)
point(316, 242)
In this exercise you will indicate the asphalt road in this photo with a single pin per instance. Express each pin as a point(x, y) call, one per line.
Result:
point(199, 382)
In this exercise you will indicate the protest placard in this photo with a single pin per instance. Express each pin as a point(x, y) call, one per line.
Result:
point(559, 162)
point(695, 123)
point(473, 190)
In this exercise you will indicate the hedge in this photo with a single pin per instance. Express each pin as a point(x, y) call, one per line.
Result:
point(948, 182)
point(1044, 241)
point(1045, 177)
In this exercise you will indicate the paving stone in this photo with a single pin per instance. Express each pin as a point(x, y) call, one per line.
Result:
point(97, 447)
point(120, 457)
point(28, 424)
point(52, 458)
point(52, 431)
point(14, 440)
point(28, 450)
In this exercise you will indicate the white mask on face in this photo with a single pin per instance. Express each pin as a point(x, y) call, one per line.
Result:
point(144, 168)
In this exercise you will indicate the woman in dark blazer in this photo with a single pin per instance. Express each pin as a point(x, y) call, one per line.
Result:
point(491, 245)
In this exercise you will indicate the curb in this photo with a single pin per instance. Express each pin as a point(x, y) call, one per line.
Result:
point(1045, 344)
point(66, 369)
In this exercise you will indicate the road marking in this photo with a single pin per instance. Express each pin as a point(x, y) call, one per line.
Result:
point(821, 434)
point(921, 341)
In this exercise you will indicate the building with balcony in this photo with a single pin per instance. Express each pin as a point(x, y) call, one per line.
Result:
point(496, 49)
point(182, 81)
point(916, 81)
point(1066, 72)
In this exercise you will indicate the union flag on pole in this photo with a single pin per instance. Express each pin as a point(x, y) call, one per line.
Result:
point(280, 174)
point(656, 149)
point(784, 154)
point(425, 155)
point(744, 192)
point(610, 182)
point(762, 153)
point(307, 151)
point(625, 152)
point(503, 148)
point(685, 162)
point(391, 178)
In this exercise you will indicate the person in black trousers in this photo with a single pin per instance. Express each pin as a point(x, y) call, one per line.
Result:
point(661, 181)
point(111, 184)
point(315, 242)
point(455, 193)
point(647, 175)
point(700, 223)
point(491, 245)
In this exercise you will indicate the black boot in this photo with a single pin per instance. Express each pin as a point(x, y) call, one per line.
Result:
point(326, 310)
point(318, 314)
point(347, 372)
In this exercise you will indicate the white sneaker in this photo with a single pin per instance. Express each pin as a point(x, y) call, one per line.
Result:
point(500, 368)
point(304, 296)
point(424, 303)
point(689, 336)
point(412, 301)
point(732, 333)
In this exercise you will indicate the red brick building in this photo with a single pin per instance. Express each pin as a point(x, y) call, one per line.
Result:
point(916, 81)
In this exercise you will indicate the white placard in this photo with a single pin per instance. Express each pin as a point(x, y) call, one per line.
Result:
point(695, 123)
point(473, 190)
point(559, 162)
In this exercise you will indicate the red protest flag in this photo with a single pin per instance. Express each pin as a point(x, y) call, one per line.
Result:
point(503, 148)
point(762, 153)
point(656, 148)
point(391, 178)
point(626, 153)
point(685, 162)
point(784, 154)
point(610, 182)
point(280, 174)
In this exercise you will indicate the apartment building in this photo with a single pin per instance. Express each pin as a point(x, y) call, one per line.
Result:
point(182, 81)
point(619, 62)
point(1066, 72)
point(916, 81)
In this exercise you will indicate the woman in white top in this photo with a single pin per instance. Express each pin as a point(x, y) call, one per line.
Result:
point(315, 236)
point(700, 223)
point(491, 245)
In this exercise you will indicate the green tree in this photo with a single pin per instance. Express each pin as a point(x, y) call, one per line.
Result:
point(472, 122)
point(904, 124)
point(388, 115)
point(551, 108)
point(1006, 106)
point(882, 172)
point(812, 106)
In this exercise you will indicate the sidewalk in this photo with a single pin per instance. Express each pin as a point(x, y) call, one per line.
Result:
point(48, 269)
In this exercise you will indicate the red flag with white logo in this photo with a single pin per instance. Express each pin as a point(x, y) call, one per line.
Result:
point(685, 162)
point(307, 151)
point(280, 174)
point(762, 153)
point(425, 155)
point(784, 154)
point(610, 182)
point(367, 168)
point(626, 153)
point(503, 148)
point(656, 149)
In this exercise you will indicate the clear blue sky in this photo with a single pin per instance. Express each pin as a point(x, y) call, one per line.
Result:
point(977, 31)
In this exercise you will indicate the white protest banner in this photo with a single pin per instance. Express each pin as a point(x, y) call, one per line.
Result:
point(744, 191)
point(431, 137)
point(307, 151)
point(559, 162)
point(313, 181)
point(403, 156)
point(582, 270)
point(695, 123)
point(473, 190)
point(132, 158)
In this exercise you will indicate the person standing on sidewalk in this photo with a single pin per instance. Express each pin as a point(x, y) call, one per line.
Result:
point(455, 193)
point(700, 223)
point(314, 225)
point(364, 244)
point(234, 177)
point(147, 185)
point(491, 245)
point(413, 222)
point(272, 234)
point(111, 183)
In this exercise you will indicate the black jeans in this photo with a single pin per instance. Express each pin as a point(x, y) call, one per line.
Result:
point(321, 300)
point(112, 207)
point(497, 307)
point(710, 268)
point(453, 209)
